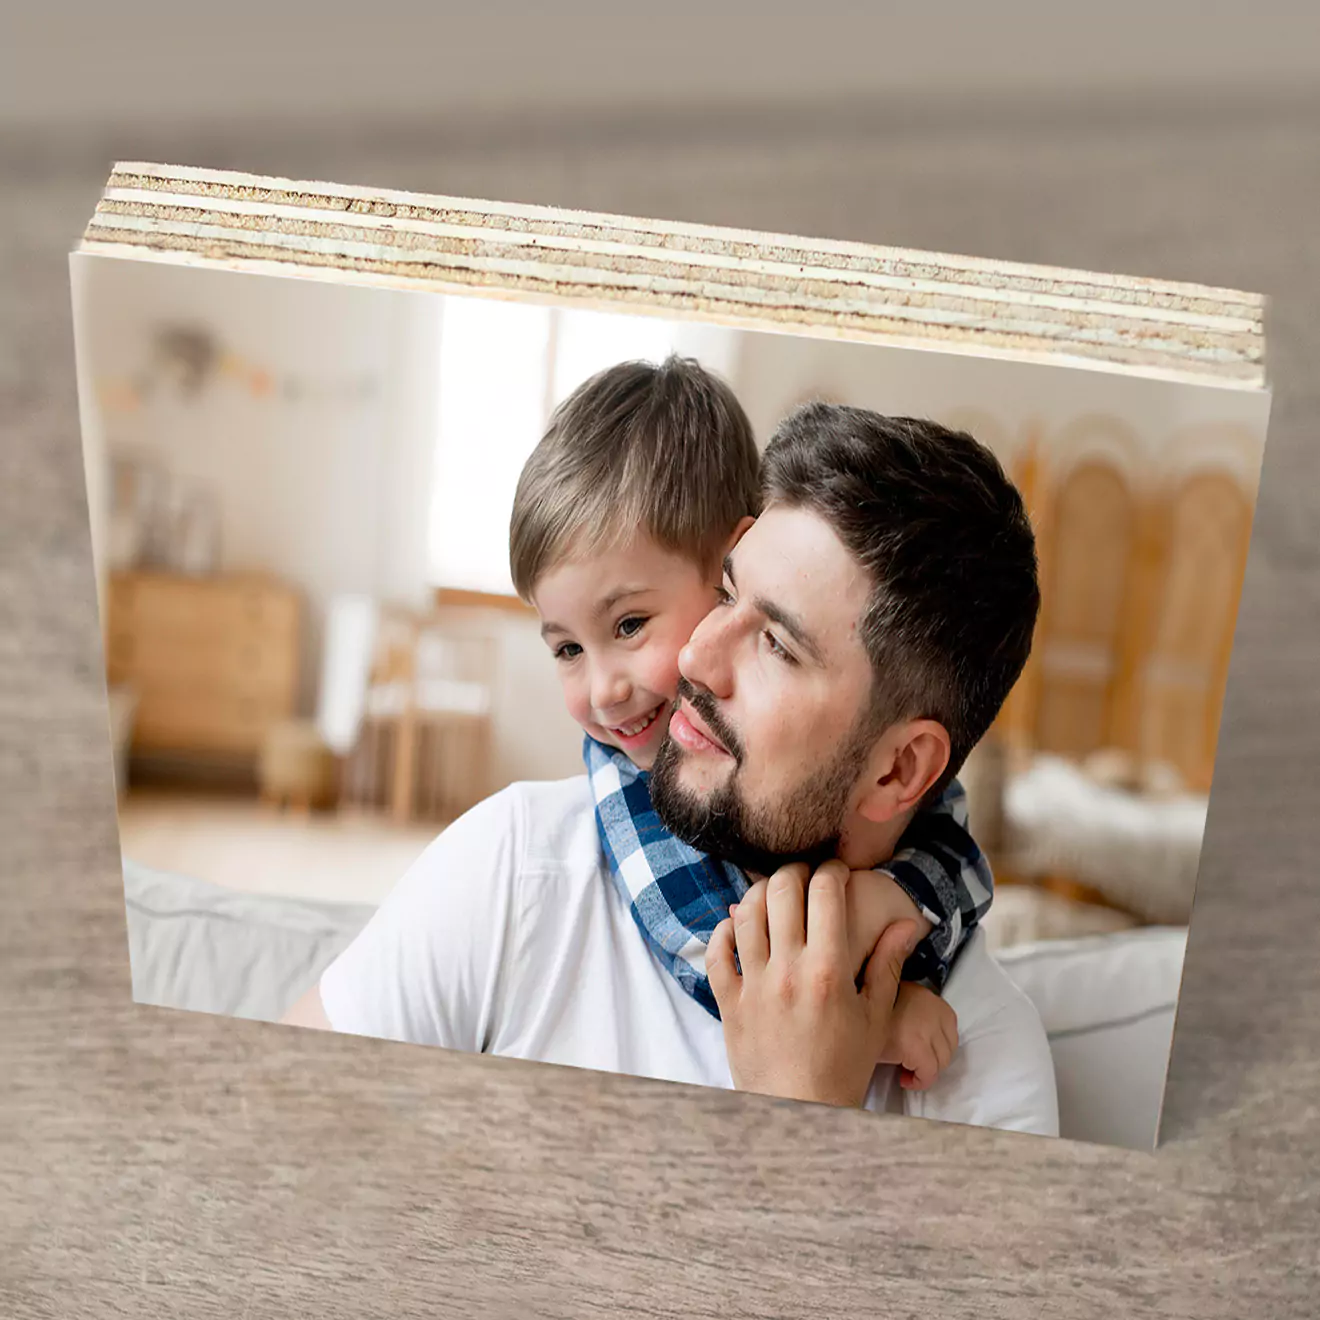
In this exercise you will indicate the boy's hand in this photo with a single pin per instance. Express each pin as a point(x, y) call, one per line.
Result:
point(923, 1036)
point(795, 1022)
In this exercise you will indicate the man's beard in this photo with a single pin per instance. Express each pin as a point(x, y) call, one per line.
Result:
point(805, 825)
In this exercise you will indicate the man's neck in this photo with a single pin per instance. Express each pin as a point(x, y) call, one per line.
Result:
point(866, 844)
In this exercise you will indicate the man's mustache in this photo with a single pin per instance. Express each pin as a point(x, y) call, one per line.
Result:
point(704, 704)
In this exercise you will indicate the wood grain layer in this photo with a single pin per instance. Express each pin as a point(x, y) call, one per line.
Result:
point(886, 295)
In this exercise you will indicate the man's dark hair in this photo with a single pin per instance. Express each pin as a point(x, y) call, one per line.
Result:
point(944, 535)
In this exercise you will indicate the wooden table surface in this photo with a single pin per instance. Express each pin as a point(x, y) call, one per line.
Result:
point(161, 1164)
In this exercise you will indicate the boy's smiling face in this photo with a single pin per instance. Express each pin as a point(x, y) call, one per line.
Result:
point(615, 622)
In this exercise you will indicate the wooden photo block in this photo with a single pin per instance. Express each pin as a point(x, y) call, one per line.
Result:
point(412, 604)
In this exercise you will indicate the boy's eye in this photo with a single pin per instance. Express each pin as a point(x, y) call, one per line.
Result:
point(567, 651)
point(722, 597)
point(631, 626)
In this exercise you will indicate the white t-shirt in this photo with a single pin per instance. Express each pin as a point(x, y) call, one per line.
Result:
point(508, 936)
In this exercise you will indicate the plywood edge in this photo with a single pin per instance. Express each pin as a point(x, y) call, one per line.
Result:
point(852, 291)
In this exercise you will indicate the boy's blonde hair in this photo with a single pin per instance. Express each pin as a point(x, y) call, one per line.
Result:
point(665, 450)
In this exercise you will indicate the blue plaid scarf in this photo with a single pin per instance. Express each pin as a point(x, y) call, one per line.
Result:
point(678, 895)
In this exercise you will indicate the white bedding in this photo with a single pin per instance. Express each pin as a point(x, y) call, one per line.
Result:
point(1107, 1002)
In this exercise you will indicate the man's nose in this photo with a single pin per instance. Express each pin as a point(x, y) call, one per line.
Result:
point(707, 658)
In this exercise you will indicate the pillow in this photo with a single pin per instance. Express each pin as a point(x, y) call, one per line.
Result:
point(1108, 1004)
point(1141, 852)
point(1025, 914)
point(200, 946)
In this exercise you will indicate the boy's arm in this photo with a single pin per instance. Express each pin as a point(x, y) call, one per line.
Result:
point(923, 1031)
point(941, 868)
point(874, 901)
point(938, 876)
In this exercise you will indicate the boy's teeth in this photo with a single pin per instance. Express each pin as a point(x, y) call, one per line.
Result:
point(631, 730)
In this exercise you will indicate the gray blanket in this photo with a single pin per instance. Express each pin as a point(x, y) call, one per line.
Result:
point(196, 945)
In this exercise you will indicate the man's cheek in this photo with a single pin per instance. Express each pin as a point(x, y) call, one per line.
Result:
point(774, 748)
point(782, 726)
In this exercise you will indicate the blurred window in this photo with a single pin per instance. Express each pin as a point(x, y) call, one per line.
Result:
point(504, 367)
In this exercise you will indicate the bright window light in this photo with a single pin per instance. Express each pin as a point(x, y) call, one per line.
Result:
point(504, 367)
point(494, 358)
point(588, 342)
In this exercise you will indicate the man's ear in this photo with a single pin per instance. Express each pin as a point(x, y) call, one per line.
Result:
point(907, 760)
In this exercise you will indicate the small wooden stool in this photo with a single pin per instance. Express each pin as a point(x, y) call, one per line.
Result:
point(296, 768)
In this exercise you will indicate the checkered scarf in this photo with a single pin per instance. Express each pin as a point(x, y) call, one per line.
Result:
point(678, 895)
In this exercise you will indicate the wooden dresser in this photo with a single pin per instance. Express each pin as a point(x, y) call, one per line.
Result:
point(213, 661)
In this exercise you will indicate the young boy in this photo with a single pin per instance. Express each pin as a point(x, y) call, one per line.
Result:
point(645, 479)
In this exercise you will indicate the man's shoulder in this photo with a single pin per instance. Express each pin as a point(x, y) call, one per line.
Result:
point(549, 796)
point(532, 825)
point(536, 806)
point(1003, 1074)
point(982, 993)
point(551, 815)
point(448, 940)
point(527, 820)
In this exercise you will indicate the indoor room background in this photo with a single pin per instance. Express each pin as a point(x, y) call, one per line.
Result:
point(300, 504)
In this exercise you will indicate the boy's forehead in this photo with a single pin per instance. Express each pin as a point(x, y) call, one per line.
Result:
point(599, 574)
point(633, 555)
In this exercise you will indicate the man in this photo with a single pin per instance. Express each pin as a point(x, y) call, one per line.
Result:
point(871, 623)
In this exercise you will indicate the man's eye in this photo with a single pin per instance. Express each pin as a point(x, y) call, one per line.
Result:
point(723, 597)
point(567, 651)
point(631, 626)
point(778, 648)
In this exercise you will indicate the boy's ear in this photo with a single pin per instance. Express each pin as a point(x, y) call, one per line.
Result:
point(737, 535)
point(907, 760)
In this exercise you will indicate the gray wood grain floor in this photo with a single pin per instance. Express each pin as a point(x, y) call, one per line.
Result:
point(159, 1164)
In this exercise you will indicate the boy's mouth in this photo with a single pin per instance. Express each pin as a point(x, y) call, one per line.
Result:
point(636, 729)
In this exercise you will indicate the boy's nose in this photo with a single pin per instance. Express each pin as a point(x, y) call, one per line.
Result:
point(610, 689)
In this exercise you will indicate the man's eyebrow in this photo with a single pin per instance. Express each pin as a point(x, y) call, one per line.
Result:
point(788, 621)
point(602, 607)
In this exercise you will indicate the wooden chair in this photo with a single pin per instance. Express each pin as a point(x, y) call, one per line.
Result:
point(1204, 526)
point(1082, 618)
point(424, 747)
